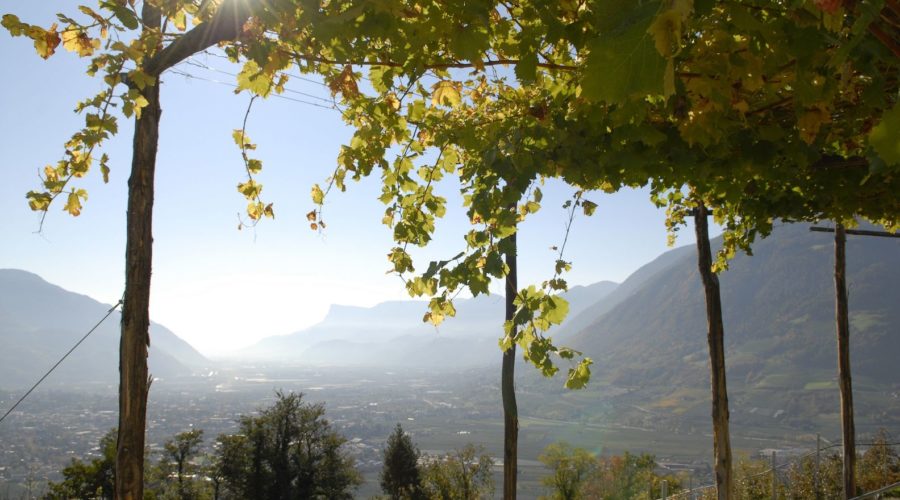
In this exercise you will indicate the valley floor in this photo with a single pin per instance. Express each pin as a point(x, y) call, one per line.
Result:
point(441, 411)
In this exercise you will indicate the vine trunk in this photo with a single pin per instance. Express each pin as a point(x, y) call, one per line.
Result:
point(507, 384)
point(716, 342)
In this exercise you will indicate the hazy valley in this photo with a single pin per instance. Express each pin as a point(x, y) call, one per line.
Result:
point(374, 367)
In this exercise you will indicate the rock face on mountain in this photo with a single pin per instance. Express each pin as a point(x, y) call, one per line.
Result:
point(393, 334)
point(39, 322)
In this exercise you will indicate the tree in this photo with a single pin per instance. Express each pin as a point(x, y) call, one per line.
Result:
point(94, 479)
point(465, 474)
point(288, 451)
point(178, 453)
point(212, 469)
point(879, 466)
point(400, 476)
point(627, 476)
point(571, 468)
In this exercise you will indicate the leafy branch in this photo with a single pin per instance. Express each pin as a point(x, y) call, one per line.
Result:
point(251, 189)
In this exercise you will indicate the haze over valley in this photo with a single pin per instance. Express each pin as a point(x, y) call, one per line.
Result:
point(374, 367)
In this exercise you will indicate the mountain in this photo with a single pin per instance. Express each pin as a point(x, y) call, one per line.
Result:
point(39, 322)
point(584, 317)
point(778, 304)
point(392, 334)
point(647, 337)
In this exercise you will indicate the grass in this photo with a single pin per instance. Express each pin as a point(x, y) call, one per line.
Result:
point(779, 381)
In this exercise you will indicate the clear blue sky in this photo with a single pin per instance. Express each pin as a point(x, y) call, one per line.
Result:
point(215, 286)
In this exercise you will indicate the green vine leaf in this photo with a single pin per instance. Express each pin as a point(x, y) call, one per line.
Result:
point(625, 62)
point(885, 137)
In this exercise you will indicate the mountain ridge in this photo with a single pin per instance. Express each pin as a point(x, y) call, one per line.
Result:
point(470, 336)
point(39, 321)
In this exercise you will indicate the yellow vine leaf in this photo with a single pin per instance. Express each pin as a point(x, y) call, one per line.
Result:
point(250, 189)
point(254, 79)
point(45, 41)
point(254, 210)
point(180, 20)
point(318, 196)
point(39, 202)
point(447, 93)
point(242, 139)
point(73, 202)
point(344, 83)
point(79, 42)
point(140, 102)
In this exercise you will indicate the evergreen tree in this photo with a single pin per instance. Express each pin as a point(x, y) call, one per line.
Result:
point(400, 476)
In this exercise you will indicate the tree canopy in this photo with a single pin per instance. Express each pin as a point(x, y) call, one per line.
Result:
point(463, 474)
point(288, 451)
point(93, 479)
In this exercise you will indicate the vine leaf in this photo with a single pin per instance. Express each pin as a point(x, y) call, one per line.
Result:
point(884, 137)
point(625, 62)
point(79, 42)
point(255, 80)
point(446, 93)
point(580, 375)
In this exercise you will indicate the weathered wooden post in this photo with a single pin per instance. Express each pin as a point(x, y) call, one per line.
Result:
point(774, 478)
point(842, 321)
point(816, 479)
point(716, 343)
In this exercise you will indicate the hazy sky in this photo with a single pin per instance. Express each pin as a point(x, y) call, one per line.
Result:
point(215, 286)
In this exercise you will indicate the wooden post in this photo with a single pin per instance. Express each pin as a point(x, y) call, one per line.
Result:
point(774, 479)
point(816, 473)
point(134, 383)
point(507, 382)
point(842, 320)
point(665, 489)
point(716, 342)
